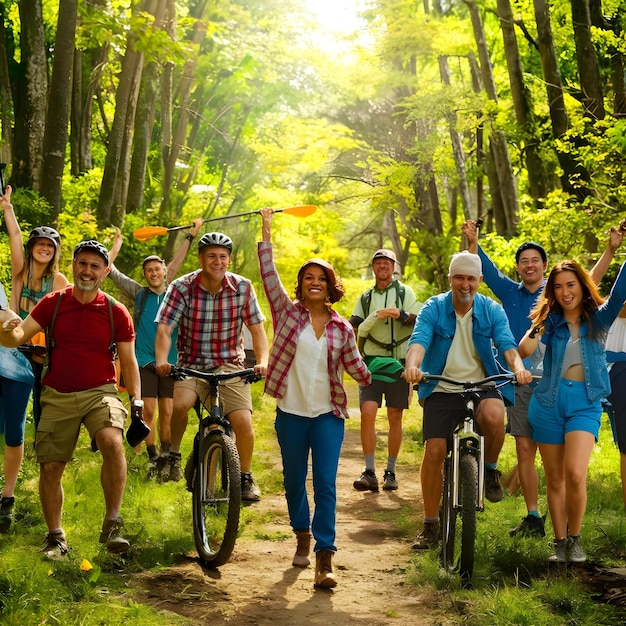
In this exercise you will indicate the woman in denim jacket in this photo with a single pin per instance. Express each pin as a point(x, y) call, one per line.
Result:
point(571, 319)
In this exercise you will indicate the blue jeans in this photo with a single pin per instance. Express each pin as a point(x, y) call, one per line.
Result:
point(323, 437)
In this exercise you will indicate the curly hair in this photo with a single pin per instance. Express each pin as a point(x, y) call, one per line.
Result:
point(335, 285)
point(547, 303)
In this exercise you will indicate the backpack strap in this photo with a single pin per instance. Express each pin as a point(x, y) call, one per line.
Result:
point(48, 332)
point(145, 292)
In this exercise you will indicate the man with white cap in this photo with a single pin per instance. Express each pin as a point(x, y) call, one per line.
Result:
point(384, 316)
point(454, 336)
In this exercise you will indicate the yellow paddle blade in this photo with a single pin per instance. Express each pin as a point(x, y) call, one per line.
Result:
point(304, 210)
point(147, 232)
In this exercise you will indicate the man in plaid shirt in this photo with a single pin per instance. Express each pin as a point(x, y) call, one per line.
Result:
point(209, 307)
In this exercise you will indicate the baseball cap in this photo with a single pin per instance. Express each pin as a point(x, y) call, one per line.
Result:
point(152, 257)
point(384, 253)
point(92, 245)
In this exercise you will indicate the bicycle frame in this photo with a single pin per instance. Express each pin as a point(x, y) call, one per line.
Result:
point(464, 475)
point(213, 471)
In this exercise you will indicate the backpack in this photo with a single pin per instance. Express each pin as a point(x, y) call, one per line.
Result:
point(366, 298)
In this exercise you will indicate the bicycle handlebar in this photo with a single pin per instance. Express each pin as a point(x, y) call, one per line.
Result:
point(214, 377)
point(469, 384)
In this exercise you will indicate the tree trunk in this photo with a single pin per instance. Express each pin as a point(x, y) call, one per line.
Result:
point(6, 100)
point(538, 177)
point(573, 173)
point(457, 149)
point(31, 96)
point(588, 69)
point(58, 113)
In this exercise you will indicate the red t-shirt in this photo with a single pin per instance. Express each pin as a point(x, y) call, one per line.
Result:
point(81, 358)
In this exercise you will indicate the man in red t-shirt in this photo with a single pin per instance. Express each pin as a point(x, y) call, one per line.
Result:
point(83, 324)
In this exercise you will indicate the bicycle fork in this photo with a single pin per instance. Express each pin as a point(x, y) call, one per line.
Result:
point(467, 441)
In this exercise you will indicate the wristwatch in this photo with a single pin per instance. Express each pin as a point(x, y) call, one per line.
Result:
point(190, 237)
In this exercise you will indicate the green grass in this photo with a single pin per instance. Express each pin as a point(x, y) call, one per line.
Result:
point(512, 582)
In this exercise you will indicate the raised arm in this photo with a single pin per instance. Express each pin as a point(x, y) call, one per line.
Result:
point(616, 236)
point(174, 265)
point(266, 230)
point(471, 232)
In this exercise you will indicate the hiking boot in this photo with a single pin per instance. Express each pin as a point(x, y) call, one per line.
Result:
point(560, 551)
point(163, 467)
point(389, 481)
point(367, 481)
point(324, 576)
point(175, 468)
point(190, 472)
point(574, 551)
point(301, 557)
point(249, 490)
point(493, 487)
point(111, 536)
point(152, 468)
point(6, 513)
point(55, 546)
point(531, 526)
point(428, 538)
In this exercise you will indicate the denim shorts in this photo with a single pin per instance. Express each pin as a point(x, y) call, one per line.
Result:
point(571, 411)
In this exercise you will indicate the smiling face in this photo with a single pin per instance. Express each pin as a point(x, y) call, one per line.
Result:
point(214, 262)
point(531, 268)
point(89, 270)
point(314, 285)
point(43, 250)
point(464, 288)
point(383, 272)
point(154, 273)
point(568, 292)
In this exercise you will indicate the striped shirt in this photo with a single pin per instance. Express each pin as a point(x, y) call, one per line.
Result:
point(288, 319)
point(209, 327)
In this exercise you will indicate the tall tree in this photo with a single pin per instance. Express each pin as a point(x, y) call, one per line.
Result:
point(58, 109)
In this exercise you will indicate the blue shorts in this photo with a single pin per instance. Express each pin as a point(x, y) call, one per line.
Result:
point(571, 411)
point(617, 409)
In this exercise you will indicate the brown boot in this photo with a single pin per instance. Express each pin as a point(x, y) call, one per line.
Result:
point(301, 557)
point(324, 576)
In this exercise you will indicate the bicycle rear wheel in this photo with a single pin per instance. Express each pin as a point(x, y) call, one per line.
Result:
point(448, 519)
point(469, 504)
point(216, 499)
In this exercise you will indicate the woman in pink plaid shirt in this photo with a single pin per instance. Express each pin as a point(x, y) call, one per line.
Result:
point(312, 347)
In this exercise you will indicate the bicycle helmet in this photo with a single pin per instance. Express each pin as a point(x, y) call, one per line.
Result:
point(44, 232)
point(92, 246)
point(215, 239)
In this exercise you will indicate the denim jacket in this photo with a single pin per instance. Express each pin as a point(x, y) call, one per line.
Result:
point(435, 327)
point(556, 336)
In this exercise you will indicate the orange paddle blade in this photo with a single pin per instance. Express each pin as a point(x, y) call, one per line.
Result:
point(304, 210)
point(147, 232)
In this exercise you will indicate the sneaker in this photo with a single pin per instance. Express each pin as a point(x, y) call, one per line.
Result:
point(574, 551)
point(111, 535)
point(163, 467)
point(493, 486)
point(367, 481)
point(428, 538)
point(175, 468)
point(249, 490)
point(531, 526)
point(560, 552)
point(389, 481)
point(55, 546)
point(6, 513)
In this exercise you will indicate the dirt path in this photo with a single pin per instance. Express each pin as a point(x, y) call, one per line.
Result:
point(259, 585)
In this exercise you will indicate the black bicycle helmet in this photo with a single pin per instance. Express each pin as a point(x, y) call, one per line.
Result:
point(92, 245)
point(44, 232)
point(215, 239)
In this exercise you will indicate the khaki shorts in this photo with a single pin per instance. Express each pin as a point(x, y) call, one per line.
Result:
point(63, 413)
point(235, 393)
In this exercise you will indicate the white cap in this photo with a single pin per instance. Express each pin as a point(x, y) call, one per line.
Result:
point(465, 264)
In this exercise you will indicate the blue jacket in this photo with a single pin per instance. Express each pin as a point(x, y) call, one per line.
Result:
point(435, 327)
point(556, 336)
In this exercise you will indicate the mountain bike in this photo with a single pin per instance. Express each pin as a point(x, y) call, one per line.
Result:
point(212, 471)
point(464, 477)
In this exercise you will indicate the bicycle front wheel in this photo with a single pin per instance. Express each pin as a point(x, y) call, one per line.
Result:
point(447, 518)
point(469, 505)
point(216, 499)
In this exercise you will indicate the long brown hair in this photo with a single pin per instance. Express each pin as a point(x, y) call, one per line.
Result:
point(548, 303)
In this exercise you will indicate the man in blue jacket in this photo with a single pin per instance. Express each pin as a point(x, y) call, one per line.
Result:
point(453, 336)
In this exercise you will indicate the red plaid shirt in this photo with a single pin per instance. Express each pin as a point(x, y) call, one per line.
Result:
point(288, 320)
point(209, 328)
